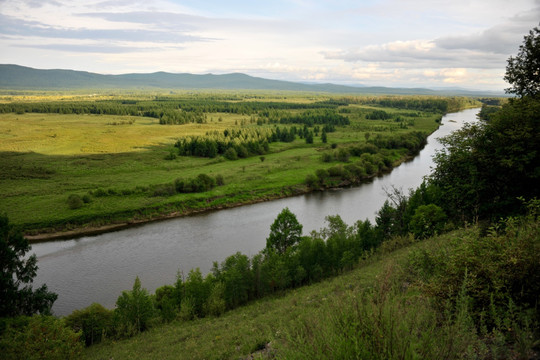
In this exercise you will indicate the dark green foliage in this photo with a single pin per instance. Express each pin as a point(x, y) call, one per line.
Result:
point(231, 154)
point(40, 337)
point(95, 323)
point(428, 220)
point(164, 302)
point(523, 71)
point(134, 309)
point(326, 157)
point(309, 138)
point(18, 272)
point(378, 115)
point(313, 117)
point(312, 181)
point(215, 304)
point(488, 111)
point(236, 276)
point(195, 292)
point(285, 232)
point(343, 155)
point(486, 167)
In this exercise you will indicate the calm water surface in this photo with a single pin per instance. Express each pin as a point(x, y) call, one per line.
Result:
point(97, 268)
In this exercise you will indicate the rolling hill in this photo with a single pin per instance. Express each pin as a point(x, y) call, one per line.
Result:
point(15, 77)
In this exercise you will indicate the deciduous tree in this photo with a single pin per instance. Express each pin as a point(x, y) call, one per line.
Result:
point(17, 275)
point(284, 232)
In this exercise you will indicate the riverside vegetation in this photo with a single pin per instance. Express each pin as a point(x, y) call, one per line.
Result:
point(450, 270)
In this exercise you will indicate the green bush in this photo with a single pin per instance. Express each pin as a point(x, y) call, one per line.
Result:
point(231, 154)
point(94, 321)
point(428, 220)
point(40, 337)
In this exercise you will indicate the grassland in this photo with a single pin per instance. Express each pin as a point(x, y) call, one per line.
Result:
point(46, 157)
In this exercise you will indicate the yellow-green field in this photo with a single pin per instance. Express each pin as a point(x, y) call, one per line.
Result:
point(56, 134)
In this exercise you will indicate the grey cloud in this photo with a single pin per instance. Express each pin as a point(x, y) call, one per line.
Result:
point(163, 19)
point(102, 49)
point(488, 49)
point(409, 57)
point(187, 22)
point(500, 39)
point(17, 27)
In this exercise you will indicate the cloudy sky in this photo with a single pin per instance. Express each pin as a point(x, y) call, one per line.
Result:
point(408, 43)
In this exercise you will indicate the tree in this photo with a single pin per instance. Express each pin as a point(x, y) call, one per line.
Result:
point(16, 277)
point(135, 308)
point(485, 167)
point(285, 232)
point(523, 71)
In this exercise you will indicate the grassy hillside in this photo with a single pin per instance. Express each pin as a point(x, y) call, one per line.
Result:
point(383, 309)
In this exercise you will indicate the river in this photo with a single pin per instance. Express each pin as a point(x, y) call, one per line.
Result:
point(98, 268)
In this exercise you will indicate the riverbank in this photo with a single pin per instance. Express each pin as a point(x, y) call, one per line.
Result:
point(71, 231)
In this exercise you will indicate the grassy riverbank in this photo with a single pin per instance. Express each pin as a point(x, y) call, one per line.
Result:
point(46, 157)
point(383, 309)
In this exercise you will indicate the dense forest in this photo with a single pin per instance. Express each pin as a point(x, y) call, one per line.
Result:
point(476, 296)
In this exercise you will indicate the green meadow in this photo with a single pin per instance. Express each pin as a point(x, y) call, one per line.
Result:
point(118, 162)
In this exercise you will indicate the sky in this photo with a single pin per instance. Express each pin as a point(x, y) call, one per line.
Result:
point(395, 43)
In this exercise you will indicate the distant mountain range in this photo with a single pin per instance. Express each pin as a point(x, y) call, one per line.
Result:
point(17, 77)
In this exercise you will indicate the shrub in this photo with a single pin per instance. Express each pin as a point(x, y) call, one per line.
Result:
point(343, 155)
point(170, 156)
point(164, 190)
point(94, 321)
point(231, 154)
point(74, 201)
point(40, 337)
point(312, 181)
point(215, 305)
point(427, 221)
point(326, 157)
point(99, 192)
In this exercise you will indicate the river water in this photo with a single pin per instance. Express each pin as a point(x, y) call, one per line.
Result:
point(98, 268)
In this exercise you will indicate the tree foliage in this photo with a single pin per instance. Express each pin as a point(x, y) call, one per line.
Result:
point(18, 272)
point(134, 308)
point(285, 232)
point(523, 71)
